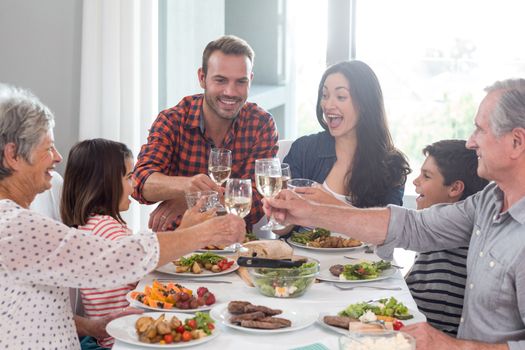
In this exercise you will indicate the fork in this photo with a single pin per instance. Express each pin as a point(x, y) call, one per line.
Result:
point(237, 247)
point(371, 287)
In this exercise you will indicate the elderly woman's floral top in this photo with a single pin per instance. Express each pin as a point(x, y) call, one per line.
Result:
point(40, 259)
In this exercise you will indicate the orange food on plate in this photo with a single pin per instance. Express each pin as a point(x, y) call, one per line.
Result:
point(173, 295)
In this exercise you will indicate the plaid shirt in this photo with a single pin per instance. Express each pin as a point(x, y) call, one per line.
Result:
point(177, 146)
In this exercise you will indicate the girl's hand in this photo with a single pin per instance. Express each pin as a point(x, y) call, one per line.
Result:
point(194, 216)
point(224, 230)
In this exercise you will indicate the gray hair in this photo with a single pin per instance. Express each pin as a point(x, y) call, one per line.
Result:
point(24, 121)
point(509, 112)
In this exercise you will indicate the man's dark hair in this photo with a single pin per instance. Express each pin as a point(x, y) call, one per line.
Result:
point(456, 162)
point(228, 45)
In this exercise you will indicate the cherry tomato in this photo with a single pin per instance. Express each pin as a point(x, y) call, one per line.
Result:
point(211, 326)
point(186, 336)
point(180, 329)
point(168, 338)
point(397, 325)
point(192, 323)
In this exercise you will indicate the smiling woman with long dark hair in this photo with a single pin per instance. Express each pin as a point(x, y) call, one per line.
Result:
point(354, 158)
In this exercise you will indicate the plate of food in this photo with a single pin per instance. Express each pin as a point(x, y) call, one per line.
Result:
point(250, 236)
point(364, 271)
point(323, 240)
point(247, 317)
point(158, 330)
point(216, 249)
point(383, 314)
point(171, 297)
point(200, 265)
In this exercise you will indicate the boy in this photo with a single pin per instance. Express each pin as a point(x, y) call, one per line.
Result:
point(437, 279)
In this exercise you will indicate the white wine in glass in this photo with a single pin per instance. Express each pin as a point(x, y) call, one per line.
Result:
point(220, 165)
point(285, 175)
point(268, 177)
point(238, 196)
point(239, 206)
point(269, 186)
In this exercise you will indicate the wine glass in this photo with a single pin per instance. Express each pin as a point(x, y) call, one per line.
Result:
point(300, 182)
point(268, 177)
point(286, 175)
point(238, 196)
point(220, 165)
point(238, 201)
point(211, 199)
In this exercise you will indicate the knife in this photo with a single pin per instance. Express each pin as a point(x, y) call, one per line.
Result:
point(271, 263)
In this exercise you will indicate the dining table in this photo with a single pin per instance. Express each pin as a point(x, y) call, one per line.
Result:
point(322, 298)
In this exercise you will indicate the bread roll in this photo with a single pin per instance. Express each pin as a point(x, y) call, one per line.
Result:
point(270, 249)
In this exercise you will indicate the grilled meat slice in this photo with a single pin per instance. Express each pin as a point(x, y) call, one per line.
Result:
point(336, 270)
point(247, 317)
point(267, 311)
point(339, 321)
point(237, 307)
point(263, 325)
point(278, 320)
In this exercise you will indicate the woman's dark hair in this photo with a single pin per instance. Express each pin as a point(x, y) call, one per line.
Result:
point(456, 162)
point(93, 181)
point(377, 165)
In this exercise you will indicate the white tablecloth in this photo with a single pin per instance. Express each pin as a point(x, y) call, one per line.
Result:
point(322, 297)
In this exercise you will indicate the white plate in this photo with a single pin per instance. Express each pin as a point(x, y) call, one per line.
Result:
point(300, 319)
point(138, 304)
point(339, 330)
point(299, 245)
point(170, 269)
point(123, 329)
point(326, 275)
point(226, 250)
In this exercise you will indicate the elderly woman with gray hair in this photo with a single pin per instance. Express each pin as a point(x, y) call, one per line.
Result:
point(41, 258)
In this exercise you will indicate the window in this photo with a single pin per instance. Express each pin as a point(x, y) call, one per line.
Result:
point(307, 21)
point(433, 59)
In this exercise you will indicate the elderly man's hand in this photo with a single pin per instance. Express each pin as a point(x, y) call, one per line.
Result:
point(289, 208)
point(429, 338)
point(318, 195)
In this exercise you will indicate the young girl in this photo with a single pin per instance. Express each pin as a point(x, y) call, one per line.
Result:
point(97, 186)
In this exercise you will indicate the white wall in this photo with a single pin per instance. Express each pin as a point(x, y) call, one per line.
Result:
point(40, 50)
point(190, 26)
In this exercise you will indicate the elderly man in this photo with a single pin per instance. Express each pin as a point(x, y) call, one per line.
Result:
point(175, 159)
point(492, 222)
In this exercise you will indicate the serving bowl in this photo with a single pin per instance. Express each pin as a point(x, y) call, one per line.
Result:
point(378, 340)
point(285, 282)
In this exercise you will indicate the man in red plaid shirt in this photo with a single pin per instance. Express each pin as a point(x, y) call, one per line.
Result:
point(175, 158)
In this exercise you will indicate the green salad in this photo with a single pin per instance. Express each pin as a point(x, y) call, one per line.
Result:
point(202, 259)
point(308, 236)
point(285, 282)
point(365, 270)
point(384, 307)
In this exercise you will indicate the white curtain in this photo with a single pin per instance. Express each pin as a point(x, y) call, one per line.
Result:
point(119, 75)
